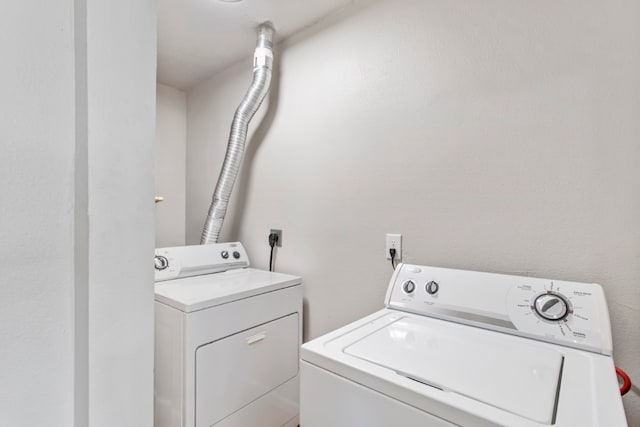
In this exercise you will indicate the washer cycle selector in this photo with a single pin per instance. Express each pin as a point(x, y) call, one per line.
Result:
point(551, 306)
point(224, 254)
point(160, 262)
point(408, 286)
point(432, 287)
point(236, 254)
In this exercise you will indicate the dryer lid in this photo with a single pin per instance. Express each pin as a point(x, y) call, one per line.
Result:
point(522, 379)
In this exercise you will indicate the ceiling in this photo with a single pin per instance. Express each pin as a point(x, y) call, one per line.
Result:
point(197, 38)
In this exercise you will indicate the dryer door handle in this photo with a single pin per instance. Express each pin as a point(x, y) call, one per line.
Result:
point(256, 338)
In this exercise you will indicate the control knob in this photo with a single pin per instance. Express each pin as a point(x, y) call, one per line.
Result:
point(408, 286)
point(551, 306)
point(432, 287)
point(160, 262)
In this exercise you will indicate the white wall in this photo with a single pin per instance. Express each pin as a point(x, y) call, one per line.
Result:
point(37, 133)
point(121, 122)
point(76, 289)
point(499, 136)
point(170, 162)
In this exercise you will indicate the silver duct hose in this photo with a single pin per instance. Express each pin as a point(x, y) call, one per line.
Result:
point(262, 64)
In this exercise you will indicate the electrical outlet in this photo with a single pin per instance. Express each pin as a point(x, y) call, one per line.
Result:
point(394, 241)
point(279, 234)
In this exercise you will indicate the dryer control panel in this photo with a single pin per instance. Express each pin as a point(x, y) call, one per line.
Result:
point(567, 313)
point(186, 261)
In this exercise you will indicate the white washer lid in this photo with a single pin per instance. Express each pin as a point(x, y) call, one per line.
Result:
point(199, 292)
point(521, 379)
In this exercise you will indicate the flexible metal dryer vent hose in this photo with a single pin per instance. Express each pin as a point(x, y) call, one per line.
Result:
point(262, 65)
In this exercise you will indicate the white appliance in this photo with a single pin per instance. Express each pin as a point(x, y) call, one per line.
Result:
point(465, 348)
point(227, 340)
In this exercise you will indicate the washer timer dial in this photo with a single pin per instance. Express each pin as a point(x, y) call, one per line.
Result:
point(551, 306)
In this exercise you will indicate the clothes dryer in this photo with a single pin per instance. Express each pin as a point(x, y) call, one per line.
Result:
point(227, 340)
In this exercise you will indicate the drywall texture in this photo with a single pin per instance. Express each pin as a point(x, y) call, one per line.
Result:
point(76, 228)
point(170, 162)
point(36, 214)
point(498, 136)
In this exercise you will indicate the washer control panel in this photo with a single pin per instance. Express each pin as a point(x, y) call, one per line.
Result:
point(568, 313)
point(185, 261)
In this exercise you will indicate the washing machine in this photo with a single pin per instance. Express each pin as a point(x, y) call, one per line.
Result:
point(462, 348)
point(227, 340)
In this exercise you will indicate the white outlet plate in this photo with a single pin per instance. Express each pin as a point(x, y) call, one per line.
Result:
point(394, 241)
